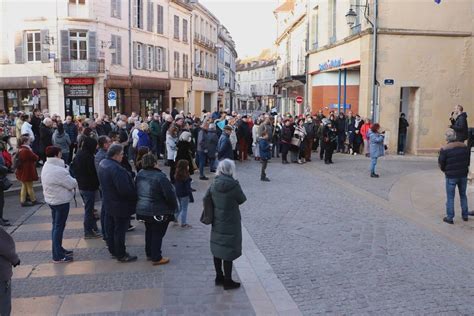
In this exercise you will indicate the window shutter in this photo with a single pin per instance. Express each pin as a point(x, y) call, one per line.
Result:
point(113, 7)
point(19, 47)
point(119, 8)
point(141, 13)
point(135, 13)
point(118, 48)
point(135, 55)
point(157, 60)
point(44, 34)
point(164, 67)
point(113, 46)
point(65, 45)
point(148, 16)
point(92, 46)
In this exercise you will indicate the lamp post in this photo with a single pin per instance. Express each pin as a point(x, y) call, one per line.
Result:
point(351, 17)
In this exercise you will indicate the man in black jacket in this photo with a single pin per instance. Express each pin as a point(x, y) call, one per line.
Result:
point(454, 162)
point(119, 198)
point(8, 258)
point(402, 133)
point(459, 123)
point(84, 171)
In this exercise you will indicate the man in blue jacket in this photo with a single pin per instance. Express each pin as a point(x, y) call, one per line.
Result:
point(119, 198)
point(224, 147)
point(454, 162)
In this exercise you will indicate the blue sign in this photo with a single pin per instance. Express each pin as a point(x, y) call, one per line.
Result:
point(334, 63)
point(336, 106)
point(112, 95)
point(389, 82)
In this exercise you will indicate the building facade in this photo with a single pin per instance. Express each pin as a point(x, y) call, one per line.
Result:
point(424, 64)
point(226, 67)
point(255, 81)
point(204, 91)
point(72, 56)
point(291, 45)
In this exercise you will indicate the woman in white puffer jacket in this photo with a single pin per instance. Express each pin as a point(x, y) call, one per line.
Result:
point(59, 189)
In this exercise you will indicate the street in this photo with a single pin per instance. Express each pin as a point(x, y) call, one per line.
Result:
point(317, 240)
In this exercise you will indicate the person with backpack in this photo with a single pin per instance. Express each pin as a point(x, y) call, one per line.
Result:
point(24, 162)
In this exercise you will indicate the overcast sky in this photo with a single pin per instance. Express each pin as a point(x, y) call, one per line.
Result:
point(251, 23)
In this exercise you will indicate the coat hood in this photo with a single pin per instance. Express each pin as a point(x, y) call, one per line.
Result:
point(224, 183)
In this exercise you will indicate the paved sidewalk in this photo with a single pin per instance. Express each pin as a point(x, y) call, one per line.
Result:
point(96, 284)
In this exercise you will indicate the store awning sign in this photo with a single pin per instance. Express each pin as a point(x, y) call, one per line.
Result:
point(333, 63)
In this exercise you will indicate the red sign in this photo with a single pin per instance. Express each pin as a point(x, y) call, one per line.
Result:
point(299, 99)
point(79, 81)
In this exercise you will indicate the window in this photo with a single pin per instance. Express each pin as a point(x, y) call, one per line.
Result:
point(149, 61)
point(160, 20)
point(138, 13)
point(185, 65)
point(33, 46)
point(115, 8)
point(196, 25)
point(150, 16)
point(77, 1)
point(332, 21)
point(185, 30)
point(176, 27)
point(160, 61)
point(139, 61)
point(314, 28)
point(176, 64)
point(116, 50)
point(206, 31)
point(78, 45)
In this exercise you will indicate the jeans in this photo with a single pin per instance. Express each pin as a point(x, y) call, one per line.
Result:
point(212, 163)
point(156, 145)
point(89, 222)
point(103, 217)
point(59, 214)
point(65, 158)
point(373, 164)
point(172, 165)
point(116, 229)
point(263, 174)
point(5, 298)
point(402, 139)
point(451, 184)
point(154, 237)
point(27, 190)
point(201, 162)
point(183, 209)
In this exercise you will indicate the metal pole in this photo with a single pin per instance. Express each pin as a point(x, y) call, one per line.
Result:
point(339, 94)
point(374, 64)
point(130, 51)
point(345, 89)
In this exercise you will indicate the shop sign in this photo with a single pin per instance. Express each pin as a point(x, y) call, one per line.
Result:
point(336, 106)
point(78, 91)
point(79, 81)
point(333, 63)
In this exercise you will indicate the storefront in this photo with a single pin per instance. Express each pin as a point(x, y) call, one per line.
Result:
point(150, 94)
point(121, 85)
point(23, 94)
point(79, 97)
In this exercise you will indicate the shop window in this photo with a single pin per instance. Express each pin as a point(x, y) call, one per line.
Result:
point(33, 46)
point(78, 45)
point(176, 27)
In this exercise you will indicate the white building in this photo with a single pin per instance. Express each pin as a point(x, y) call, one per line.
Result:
point(226, 57)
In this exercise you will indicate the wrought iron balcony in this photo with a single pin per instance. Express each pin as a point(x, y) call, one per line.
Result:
point(79, 66)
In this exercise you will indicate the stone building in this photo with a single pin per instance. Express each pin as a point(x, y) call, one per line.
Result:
point(226, 57)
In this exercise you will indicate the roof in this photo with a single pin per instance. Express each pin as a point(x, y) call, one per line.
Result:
point(267, 54)
point(286, 6)
point(255, 65)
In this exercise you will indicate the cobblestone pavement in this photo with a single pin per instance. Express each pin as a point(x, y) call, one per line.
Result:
point(325, 243)
point(336, 252)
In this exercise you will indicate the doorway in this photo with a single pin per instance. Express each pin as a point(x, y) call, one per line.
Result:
point(410, 105)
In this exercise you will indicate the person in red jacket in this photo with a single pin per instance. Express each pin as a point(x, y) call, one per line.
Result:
point(26, 171)
point(364, 130)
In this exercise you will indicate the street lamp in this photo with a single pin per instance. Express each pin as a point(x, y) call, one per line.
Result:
point(351, 17)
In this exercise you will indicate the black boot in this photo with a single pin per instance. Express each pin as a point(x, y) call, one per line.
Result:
point(230, 285)
point(219, 280)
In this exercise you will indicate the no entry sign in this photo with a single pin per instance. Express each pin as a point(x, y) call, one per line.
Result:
point(299, 99)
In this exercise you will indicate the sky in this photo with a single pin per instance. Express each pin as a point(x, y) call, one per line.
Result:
point(251, 24)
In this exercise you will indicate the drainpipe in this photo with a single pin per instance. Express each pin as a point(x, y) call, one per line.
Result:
point(374, 65)
point(130, 49)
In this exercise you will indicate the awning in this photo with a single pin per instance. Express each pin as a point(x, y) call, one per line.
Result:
point(348, 65)
point(118, 82)
point(38, 82)
point(292, 81)
point(139, 82)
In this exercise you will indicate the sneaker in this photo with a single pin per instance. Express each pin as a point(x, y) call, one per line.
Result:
point(130, 228)
point(374, 175)
point(92, 235)
point(66, 259)
point(127, 258)
point(203, 178)
point(230, 285)
point(68, 253)
point(163, 260)
point(447, 220)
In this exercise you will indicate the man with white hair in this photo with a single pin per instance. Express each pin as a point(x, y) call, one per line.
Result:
point(454, 162)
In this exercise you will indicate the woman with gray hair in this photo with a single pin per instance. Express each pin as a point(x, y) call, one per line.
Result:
point(226, 234)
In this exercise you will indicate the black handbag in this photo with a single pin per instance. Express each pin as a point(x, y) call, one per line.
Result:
point(5, 183)
point(207, 216)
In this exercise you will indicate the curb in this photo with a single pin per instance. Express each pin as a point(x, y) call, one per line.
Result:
point(16, 190)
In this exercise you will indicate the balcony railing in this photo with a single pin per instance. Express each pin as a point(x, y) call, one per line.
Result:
point(79, 66)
